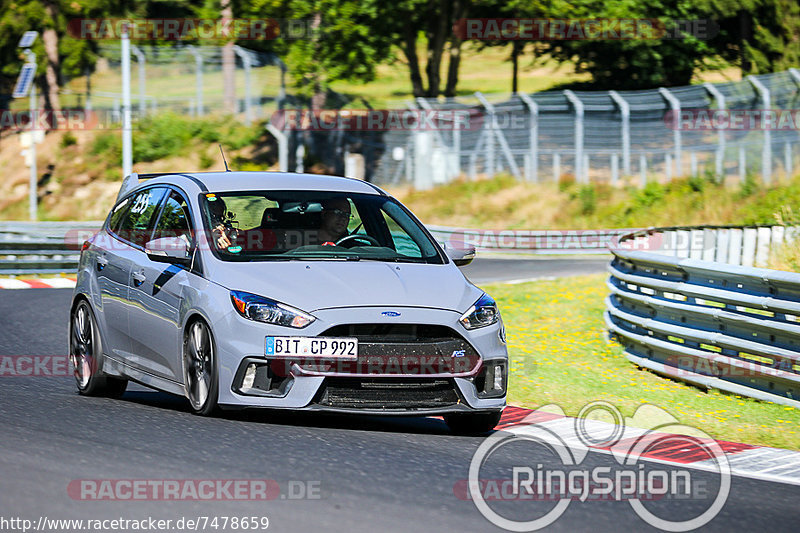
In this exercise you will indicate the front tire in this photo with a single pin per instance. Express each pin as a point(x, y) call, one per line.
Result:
point(200, 369)
point(472, 423)
point(86, 355)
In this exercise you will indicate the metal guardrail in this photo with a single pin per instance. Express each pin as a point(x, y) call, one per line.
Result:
point(530, 241)
point(42, 247)
point(54, 247)
point(693, 304)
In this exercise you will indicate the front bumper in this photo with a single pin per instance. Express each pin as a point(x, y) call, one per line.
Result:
point(241, 342)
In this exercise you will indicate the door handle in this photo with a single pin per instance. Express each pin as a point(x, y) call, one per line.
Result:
point(102, 262)
point(138, 278)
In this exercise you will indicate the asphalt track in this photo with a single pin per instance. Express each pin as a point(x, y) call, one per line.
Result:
point(373, 474)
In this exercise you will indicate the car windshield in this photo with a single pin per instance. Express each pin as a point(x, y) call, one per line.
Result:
point(313, 225)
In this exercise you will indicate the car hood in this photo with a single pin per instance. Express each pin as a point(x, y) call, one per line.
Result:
point(315, 285)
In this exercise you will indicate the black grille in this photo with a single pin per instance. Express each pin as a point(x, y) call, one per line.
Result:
point(410, 345)
point(354, 393)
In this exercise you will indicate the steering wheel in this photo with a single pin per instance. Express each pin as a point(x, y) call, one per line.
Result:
point(356, 236)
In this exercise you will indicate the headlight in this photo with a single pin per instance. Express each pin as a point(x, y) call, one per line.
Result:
point(483, 313)
point(269, 311)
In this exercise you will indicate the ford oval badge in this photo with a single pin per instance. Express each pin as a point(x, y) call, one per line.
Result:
point(390, 313)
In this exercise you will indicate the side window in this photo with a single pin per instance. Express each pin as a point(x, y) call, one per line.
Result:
point(118, 214)
point(175, 220)
point(403, 243)
point(137, 225)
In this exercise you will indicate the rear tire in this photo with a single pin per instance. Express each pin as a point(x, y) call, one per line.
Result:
point(472, 423)
point(200, 369)
point(86, 355)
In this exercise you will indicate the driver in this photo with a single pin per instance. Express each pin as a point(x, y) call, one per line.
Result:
point(335, 219)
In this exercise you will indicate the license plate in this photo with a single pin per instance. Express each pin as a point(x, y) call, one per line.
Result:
point(328, 347)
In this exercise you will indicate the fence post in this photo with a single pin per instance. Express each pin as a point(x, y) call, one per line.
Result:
point(140, 60)
point(642, 170)
point(742, 165)
point(719, 162)
point(766, 153)
point(501, 139)
point(283, 147)
point(533, 110)
point(248, 102)
point(556, 167)
point(675, 105)
point(585, 168)
point(198, 78)
point(625, 111)
point(614, 168)
point(578, 106)
point(668, 166)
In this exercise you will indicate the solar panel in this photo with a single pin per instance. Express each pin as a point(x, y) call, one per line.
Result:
point(27, 39)
point(24, 81)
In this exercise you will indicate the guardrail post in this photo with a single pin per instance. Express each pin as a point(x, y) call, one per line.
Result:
point(625, 111)
point(749, 240)
point(578, 106)
point(675, 106)
point(766, 154)
point(720, 155)
point(533, 110)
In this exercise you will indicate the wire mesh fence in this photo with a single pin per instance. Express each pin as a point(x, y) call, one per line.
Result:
point(727, 130)
point(187, 80)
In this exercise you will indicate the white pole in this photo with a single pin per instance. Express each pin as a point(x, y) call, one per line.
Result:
point(127, 149)
point(34, 180)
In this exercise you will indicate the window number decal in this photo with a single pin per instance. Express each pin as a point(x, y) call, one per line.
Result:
point(142, 203)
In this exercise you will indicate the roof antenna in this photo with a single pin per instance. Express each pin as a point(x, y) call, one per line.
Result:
point(223, 158)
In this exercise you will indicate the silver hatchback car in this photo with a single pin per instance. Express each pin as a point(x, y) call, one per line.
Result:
point(277, 290)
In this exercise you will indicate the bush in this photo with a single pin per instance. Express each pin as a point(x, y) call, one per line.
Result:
point(68, 139)
point(107, 144)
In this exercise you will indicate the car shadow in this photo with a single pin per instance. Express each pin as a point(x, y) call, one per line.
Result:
point(389, 424)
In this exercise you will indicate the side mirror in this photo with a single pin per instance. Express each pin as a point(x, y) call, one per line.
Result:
point(461, 255)
point(173, 250)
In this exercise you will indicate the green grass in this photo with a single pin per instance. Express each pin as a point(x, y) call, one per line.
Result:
point(487, 71)
point(558, 355)
point(506, 203)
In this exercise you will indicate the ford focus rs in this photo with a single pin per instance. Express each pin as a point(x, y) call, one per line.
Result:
point(275, 290)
